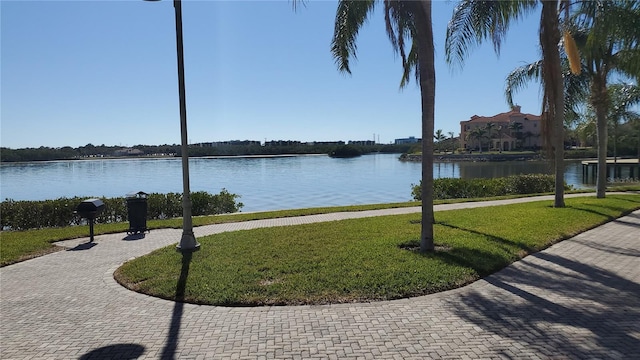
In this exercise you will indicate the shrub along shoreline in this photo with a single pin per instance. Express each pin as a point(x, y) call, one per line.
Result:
point(25, 215)
point(449, 188)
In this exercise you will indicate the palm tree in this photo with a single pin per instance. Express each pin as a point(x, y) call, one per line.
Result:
point(478, 134)
point(608, 32)
point(622, 97)
point(516, 128)
point(489, 127)
point(474, 21)
point(452, 140)
point(527, 137)
point(439, 138)
point(501, 145)
point(404, 20)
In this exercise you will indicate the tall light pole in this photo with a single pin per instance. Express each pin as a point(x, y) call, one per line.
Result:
point(188, 241)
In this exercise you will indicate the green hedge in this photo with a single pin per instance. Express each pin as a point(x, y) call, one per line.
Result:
point(447, 188)
point(23, 215)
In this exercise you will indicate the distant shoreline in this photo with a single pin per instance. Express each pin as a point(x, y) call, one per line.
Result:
point(159, 157)
point(473, 157)
point(256, 156)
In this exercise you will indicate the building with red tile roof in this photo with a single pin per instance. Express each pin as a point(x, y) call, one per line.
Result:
point(505, 131)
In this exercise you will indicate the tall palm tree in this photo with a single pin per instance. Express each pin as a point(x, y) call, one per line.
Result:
point(474, 21)
point(608, 33)
point(404, 20)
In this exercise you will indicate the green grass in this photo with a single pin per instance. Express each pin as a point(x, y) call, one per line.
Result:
point(16, 246)
point(363, 259)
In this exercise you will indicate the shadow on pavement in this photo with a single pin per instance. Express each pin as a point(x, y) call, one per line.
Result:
point(117, 351)
point(586, 312)
point(131, 237)
point(169, 350)
point(84, 246)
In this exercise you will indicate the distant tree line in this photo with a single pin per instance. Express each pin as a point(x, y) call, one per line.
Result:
point(218, 149)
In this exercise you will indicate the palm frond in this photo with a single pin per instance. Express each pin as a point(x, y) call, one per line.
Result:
point(474, 21)
point(296, 3)
point(520, 77)
point(623, 96)
point(350, 16)
point(410, 65)
point(627, 61)
point(576, 92)
point(401, 27)
point(609, 28)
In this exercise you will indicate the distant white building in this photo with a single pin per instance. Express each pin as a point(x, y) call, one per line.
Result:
point(409, 140)
point(128, 152)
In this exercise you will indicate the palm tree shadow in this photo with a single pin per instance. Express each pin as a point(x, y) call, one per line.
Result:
point(577, 299)
point(460, 255)
point(169, 350)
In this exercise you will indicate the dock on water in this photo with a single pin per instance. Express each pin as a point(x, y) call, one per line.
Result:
point(618, 167)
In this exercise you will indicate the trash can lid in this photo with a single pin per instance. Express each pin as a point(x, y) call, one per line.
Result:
point(140, 194)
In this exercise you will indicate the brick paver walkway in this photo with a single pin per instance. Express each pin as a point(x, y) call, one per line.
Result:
point(579, 299)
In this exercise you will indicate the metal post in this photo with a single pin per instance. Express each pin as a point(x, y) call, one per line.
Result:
point(188, 241)
point(90, 229)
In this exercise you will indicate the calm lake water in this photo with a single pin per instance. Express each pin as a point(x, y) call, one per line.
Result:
point(263, 183)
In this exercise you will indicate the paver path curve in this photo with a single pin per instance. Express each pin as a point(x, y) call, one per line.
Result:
point(579, 299)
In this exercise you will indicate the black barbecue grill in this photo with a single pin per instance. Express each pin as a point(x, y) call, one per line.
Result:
point(89, 209)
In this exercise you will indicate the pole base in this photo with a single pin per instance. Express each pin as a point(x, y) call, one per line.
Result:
point(184, 250)
point(188, 244)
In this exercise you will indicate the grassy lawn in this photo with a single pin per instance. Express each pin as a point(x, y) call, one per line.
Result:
point(16, 246)
point(363, 259)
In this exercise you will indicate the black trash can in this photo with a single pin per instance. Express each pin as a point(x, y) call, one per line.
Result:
point(137, 211)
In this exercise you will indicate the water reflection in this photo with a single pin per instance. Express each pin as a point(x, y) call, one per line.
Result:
point(263, 183)
point(469, 170)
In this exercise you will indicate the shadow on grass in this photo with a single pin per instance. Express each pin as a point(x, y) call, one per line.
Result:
point(558, 308)
point(169, 350)
point(483, 262)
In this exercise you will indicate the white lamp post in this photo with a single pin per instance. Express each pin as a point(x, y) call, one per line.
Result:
point(188, 241)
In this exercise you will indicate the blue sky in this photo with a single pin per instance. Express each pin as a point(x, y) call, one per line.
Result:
point(104, 72)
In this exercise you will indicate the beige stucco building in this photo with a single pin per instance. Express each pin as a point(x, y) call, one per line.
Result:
point(500, 133)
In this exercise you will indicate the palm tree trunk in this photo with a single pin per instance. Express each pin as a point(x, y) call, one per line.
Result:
point(615, 149)
point(427, 93)
point(554, 90)
point(599, 102)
